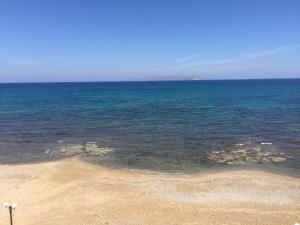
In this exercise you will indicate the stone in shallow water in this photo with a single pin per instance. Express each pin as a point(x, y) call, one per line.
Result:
point(213, 157)
point(69, 150)
point(227, 157)
point(265, 153)
point(257, 149)
point(242, 156)
point(91, 148)
point(278, 159)
point(264, 160)
point(251, 159)
point(238, 156)
point(239, 151)
point(48, 151)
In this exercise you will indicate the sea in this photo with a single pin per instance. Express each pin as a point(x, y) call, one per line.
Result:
point(169, 125)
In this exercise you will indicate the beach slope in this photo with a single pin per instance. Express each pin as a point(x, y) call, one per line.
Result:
point(75, 192)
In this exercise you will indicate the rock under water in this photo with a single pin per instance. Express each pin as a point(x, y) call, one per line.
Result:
point(243, 156)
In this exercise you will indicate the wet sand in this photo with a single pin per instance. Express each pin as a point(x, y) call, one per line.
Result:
point(71, 191)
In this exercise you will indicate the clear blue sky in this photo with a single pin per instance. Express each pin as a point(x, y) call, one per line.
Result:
point(60, 40)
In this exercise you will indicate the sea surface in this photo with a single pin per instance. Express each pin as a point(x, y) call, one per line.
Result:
point(150, 125)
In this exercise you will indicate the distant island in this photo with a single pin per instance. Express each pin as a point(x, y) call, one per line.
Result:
point(173, 78)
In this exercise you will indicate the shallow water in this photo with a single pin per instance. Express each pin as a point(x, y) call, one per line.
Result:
point(151, 124)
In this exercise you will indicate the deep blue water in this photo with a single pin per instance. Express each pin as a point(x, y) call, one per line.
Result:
point(176, 121)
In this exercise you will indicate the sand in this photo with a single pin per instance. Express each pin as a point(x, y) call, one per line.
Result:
point(74, 192)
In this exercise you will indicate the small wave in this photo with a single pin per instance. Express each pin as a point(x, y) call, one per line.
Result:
point(265, 143)
point(240, 144)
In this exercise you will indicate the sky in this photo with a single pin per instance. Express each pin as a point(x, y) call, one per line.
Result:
point(72, 40)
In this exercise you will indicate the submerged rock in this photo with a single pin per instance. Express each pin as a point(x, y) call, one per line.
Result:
point(91, 148)
point(213, 157)
point(238, 151)
point(265, 153)
point(227, 157)
point(257, 149)
point(251, 159)
point(245, 155)
point(48, 151)
point(265, 160)
point(278, 159)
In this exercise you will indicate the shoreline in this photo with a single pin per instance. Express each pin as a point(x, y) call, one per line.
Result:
point(274, 169)
point(74, 191)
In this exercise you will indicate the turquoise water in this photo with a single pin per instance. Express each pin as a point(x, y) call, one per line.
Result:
point(151, 123)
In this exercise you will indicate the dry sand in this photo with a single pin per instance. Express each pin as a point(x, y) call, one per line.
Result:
point(75, 192)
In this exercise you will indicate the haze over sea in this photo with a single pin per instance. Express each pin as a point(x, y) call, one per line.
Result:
point(160, 124)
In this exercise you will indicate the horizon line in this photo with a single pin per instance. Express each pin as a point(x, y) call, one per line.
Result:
point(120, 81)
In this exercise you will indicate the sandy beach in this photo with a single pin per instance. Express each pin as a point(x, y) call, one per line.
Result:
point(72, 191)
